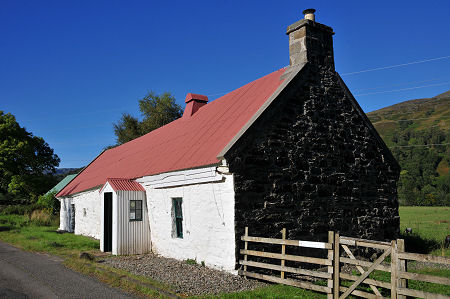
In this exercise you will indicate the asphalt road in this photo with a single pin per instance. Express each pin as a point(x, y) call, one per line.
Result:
point(31, 275)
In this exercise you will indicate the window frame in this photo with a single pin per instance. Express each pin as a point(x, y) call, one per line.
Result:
point(177, 206)
point(135, 210)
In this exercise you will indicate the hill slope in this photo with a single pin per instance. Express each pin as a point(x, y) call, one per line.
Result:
point(418, 133)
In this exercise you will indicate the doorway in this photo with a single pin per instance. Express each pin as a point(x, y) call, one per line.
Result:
point(107, 233)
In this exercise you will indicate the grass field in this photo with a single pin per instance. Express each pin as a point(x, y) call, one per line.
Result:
point(431, 224)
point(16, 230)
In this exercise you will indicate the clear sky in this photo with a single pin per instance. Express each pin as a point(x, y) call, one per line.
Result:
point(68, 69)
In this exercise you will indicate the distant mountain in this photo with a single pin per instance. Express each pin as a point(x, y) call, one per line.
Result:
point(67, 171)
point(418, 133)
point(417, 114)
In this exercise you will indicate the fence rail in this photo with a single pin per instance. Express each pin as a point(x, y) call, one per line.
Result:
point(338, 253)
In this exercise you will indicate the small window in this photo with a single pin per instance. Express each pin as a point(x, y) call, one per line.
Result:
point(178, 217)
point(135, 210)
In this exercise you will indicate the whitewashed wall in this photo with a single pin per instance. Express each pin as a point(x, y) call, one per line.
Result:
point(208, 216)
point(64, 214)
point(87, 213)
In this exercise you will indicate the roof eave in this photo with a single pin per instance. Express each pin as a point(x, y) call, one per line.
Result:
point(57, 194)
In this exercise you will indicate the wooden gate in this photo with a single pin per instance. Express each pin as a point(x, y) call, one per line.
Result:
point(337, 282)
point(386, 249)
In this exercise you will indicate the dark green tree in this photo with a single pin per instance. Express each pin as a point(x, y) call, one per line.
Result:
point(127, 128)
point(420, 183)
point(26, 161)
point(156, 111)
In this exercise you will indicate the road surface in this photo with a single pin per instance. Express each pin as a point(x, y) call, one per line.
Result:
point(32, 275)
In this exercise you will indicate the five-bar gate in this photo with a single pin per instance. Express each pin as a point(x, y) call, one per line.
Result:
point(327, 276)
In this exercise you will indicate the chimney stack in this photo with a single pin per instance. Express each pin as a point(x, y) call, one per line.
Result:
point(310, 41)
point(193, 103)
point(309, 14)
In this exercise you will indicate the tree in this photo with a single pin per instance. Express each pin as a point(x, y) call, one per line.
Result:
point(26, 161)
point(128, 128)
point(156, 111)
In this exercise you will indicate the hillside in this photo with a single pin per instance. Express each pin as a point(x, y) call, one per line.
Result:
point(418, 133)
point(417, 114)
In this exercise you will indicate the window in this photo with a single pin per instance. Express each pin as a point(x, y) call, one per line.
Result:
point(178, 217)
point(135, 210)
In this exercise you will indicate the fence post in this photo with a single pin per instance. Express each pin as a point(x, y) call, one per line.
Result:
point(245, 247)
point(330, 268)
point(336, 269)
point(402, 283)
point(394, 269)
point(283, 250)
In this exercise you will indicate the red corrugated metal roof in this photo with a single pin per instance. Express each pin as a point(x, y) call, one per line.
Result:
point(124, 184)
point(182, 144)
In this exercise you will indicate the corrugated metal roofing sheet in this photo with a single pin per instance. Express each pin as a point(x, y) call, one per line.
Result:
point(61, 184)
point(124, 185)
point(182, 144)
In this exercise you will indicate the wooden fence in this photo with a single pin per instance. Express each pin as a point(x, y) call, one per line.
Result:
point(337, 283)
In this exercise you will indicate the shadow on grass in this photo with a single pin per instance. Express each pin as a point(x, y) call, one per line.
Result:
point(56, 244)
point(417, 244)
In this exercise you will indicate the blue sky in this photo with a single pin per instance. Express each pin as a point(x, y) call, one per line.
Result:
point(68, 69)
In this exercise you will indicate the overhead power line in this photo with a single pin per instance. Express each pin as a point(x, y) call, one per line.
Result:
point(401, 84)
point(419, 145)
point(388, 120)
point(396, 65)
point(402, 89)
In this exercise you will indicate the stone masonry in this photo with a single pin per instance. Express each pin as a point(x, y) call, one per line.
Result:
point(312, 162)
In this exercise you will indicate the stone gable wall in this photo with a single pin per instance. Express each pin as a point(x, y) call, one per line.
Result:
point(311, 164)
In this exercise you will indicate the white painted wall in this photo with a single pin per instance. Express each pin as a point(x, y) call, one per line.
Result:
point(87, 213)
point(208, 216)
point(64, 214)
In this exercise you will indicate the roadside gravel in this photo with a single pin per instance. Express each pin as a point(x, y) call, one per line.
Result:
point(186, 278)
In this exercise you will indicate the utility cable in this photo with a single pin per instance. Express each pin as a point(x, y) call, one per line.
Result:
point(402, 89)
point(395, 65)
point(400, 84)
point(410, 119)
point(419, 145)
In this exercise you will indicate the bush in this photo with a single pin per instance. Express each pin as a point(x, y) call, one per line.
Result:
point(43, 217)
point(49, 201)
point(17, 209)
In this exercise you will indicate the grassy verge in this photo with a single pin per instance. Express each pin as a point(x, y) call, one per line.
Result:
point(272, 291)
point(19, 231)
point(138, 285)
point(430, 226)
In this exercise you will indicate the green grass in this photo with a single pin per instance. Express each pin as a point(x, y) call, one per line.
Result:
point(135, 284)
point(19, 231)
point(429, 223)
point(272, 291)
point(412, 284)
